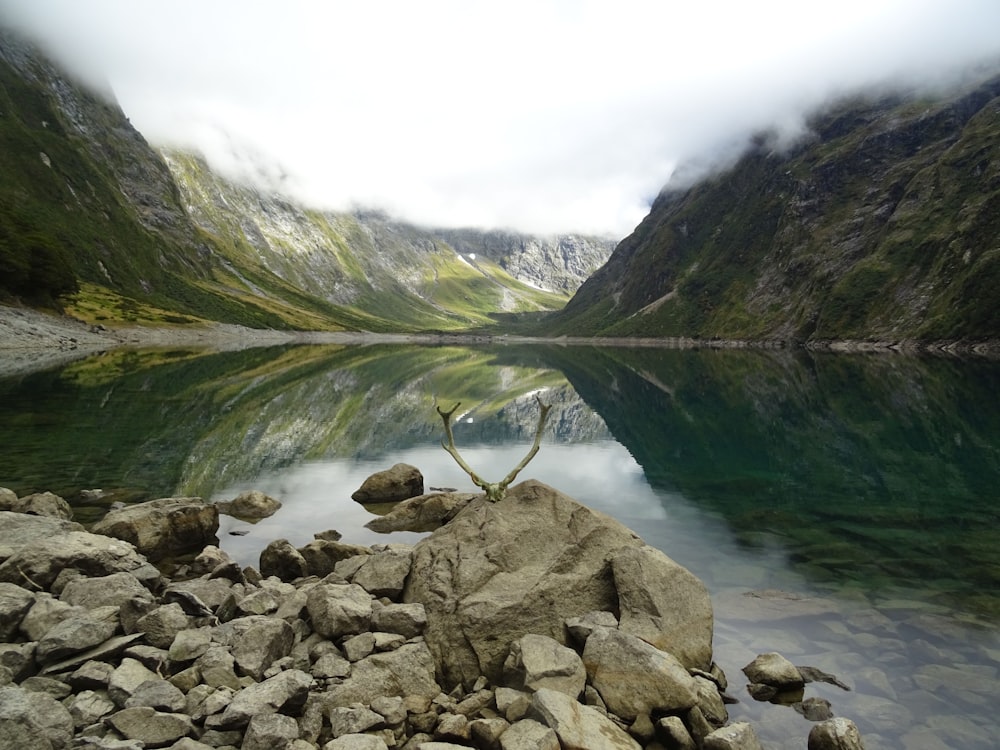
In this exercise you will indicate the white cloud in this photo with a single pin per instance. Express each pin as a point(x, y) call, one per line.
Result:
point(541, 115)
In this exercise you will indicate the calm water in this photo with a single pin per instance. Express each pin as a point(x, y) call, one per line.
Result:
point(843, 510)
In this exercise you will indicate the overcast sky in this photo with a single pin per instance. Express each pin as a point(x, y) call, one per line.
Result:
point(542, 116)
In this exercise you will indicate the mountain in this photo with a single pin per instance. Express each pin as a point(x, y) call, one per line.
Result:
point(882, 224)
point(92, 216)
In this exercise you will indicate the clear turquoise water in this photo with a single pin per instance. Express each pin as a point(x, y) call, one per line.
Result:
point(843, 510)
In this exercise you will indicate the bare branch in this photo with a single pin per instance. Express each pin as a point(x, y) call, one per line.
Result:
point(494, 490)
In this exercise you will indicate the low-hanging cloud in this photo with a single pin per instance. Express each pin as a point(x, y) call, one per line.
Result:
point(539, 116)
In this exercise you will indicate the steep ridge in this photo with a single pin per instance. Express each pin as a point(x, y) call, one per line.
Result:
point(883, 224)
point(94, 218)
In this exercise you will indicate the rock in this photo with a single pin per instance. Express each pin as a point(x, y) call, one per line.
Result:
point(188, 645)
point(126, 679)
point(835, 734)
point(270, 731)
point(162, 624)
point(33, 721)
point(581, 627)
point(673, 734)
point(14, 605)
point(339, 609)
point(76, 634)
point(158, 694)
point(774, 670)
point(486, 733)
point(529, 734)
point(738, 736)
point(664, 604)
point(815, 709)
point(45, 613)
point(537, 661)
point(502, 570)
point(250, 505)
point(322, 556)
point(256, 642)
point(88, 707)
point(281, 559)
point(353, 719)
point(579, 726)
point(165, 527)
point(406, 672)
point(361, 742)
point(38, 504)
point(20, 529)
point(101, 591)
point(636, 678)
point(41, 560)
point(285, 691)
point(151, 727)
point(409, 620)
point(422, 513)
point(384, 573)
point(399, 482)
point(109, 649)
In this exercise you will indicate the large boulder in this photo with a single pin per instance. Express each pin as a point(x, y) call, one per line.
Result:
point(526, 564)
point(37, 504)
point(164, 527)
point(251, 505)
point(20, 529)
point(41, 560)
point(399, 482)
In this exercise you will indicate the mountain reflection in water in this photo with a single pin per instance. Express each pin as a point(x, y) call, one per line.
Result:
point(842, 509)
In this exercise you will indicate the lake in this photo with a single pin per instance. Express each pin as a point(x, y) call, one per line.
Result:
point(842, 509)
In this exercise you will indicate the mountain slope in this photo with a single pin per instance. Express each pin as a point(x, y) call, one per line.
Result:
point(93, 217)
point(884, 224)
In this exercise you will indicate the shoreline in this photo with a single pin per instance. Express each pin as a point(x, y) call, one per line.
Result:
point(31, 340)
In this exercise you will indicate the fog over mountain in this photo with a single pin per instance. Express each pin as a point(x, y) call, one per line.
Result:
point(535, 116)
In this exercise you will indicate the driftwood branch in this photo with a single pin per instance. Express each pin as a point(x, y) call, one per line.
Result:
point(494, 490)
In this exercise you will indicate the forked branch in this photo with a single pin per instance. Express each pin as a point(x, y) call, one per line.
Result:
point(494, 490)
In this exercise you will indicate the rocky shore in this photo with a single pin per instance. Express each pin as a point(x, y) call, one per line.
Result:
point(533, 622)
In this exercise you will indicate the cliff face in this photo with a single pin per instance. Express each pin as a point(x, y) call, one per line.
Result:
point(883, 224)
point(86, 205)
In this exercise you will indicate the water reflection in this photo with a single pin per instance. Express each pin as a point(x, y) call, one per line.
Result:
point(842, 510)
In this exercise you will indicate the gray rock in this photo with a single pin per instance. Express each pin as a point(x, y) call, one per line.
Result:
point(149, 726)
point(529, 734)
point(7, 498)
point(188, 645)
point(256, 642)
point(385, 573)
point(109, 649)
point(20, 529)
point(409, 620)
point(217, 668)
point(45, 614)
point(18, 660)
point(710, 701)
point(42, 559)
point(673, 734)
point(110, 590)
point(14, 605)
point(270, 731)
point(635, 678)
point(339, 609)
point(39, 504)
point(486, 733)
point(664, 604)
point(330, 665)
point(76, 634)
point(398, 482)
point(406, 672)
point(33, 720)
point(126, 678)
point(48, 685)
point(353, 719)
point(88, 707)
point(453, 727)
point(537, 661)
point(359, 742)
point(322, 556)
point(281, 559)
point(250, 505)
point(359, 646)
point(165, 527)
point(738, 736)
point(512, 704)
point(579, 726)
point(391, 708)
point(286, 689)
point(91, 675)
point(581, 627)
point(835, 734)
point(422, 513)
point(482, 590)
point(163, 624)
point(775, 670)
point(158, 694)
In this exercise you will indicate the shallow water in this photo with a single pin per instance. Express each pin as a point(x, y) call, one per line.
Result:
point(841, 509)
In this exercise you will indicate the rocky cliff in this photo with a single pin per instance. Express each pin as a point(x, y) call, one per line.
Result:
point(883, 223)
point(87, 207)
